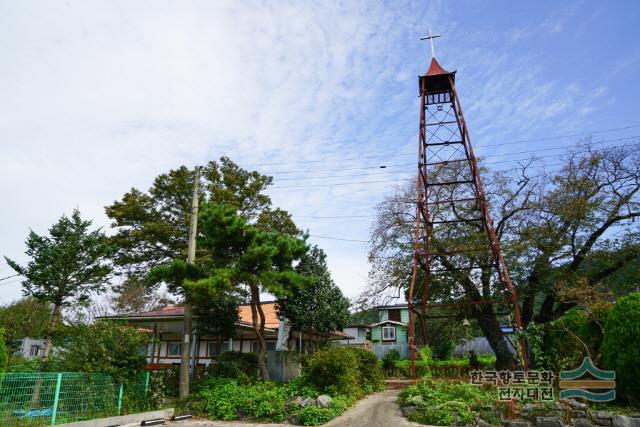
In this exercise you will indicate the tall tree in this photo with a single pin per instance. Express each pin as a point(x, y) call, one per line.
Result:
point(134, 296)
point(26, 317)
point(555, 228)
point(66, 267)
point(152, 227)
point(320, 305)
point(233, 254)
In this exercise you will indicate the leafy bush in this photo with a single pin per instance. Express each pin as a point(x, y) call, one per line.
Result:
point(22, 364)
point(4, 353)
point(621, 346)
point(452, 413)
point(563, 340)
point(233, 364)
point(424, 368)
point(342, 370)
point(226, 399)
point(334, 371)
point(389, 360)
point(315, 415)
point(371, 376)
point(444, 403)
point(105, 347)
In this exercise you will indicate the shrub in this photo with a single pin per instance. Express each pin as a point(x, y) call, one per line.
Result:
point(371, 376)
point(444, 403)
point(4, 353)
point(344, 371)
point(314, 415)
point(621, 346)
point(233, 364)
point(226, 399)
point(563, 341)
point(22, 364)
point(334, 371)
point(389, 360)
point(103, 346)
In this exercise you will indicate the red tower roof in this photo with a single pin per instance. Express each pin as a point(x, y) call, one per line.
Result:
point(435, 68)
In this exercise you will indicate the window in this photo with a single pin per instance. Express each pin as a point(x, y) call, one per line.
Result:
point(255, 346)
point(394, 314)
point(388, 333)
point(174, 349)
point(214, 349)
point(34, 350)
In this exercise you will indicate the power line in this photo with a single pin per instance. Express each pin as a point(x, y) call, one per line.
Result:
point(561, 147)
point(522, 141)
point(413, 170)
point(9, 277)
point(339, 238)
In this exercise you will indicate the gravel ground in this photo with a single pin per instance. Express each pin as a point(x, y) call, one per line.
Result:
point(377, 410)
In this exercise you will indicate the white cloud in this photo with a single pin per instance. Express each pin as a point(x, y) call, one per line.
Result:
point(101, 96)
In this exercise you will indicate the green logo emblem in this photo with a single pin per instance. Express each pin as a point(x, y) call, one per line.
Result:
point(572, 386)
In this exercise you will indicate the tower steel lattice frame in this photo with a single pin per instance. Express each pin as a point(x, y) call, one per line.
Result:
point(450, 197)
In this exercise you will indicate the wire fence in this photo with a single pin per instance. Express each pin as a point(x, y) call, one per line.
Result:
point(50, 398)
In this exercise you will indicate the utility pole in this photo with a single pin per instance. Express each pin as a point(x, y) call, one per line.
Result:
point(187, 324)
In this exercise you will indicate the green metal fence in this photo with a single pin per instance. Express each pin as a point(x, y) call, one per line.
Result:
point(50, 398)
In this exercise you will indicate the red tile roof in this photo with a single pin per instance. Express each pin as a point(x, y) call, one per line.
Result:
point(244, 312)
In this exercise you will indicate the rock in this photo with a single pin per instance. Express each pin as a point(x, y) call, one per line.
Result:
point(548, 422)
point(574, 404)
point(241, 414)
point(324, 401)
point(582, 422)
point(416, 400)
point(601, 418)
point(293, 419)
point(601, 414)
point(516, 423)
point(309, 401)
point(293, 401)
point(528, 407)
point(578, 414)
point(408, 410)
point(622, 421)
point(635, 415)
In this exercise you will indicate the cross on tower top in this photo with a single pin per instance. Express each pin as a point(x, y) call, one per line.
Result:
point(430, 37)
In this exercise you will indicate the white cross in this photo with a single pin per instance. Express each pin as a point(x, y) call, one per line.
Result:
point(430, 37)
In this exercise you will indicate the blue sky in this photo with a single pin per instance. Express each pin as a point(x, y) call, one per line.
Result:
point(97, 97)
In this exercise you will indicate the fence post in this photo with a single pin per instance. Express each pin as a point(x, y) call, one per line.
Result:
point(56, 398)
point(120, 390)
point(146, 383)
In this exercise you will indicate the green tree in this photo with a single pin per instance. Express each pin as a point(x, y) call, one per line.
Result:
point(152, 227)
point(556, 230)
point(320, 306)
point(26, 317)
point(65, 267)
point(4, 352)
point(621, 346)
point(234, 254)
point(216, 311)
point(105, 346)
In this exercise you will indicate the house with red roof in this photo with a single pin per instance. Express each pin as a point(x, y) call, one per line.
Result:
point(165, 325)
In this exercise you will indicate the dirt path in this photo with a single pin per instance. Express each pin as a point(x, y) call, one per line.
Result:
point(377, 410)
